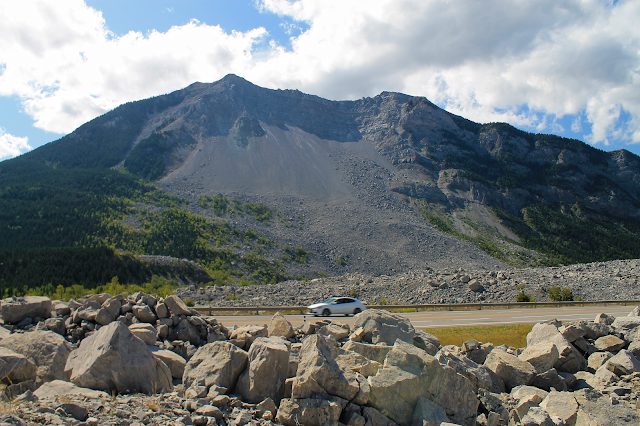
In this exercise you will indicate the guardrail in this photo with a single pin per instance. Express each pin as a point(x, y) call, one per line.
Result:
point(209, 310)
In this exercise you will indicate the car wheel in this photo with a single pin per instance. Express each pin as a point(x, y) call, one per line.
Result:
point(356, 311)
point(326, 313)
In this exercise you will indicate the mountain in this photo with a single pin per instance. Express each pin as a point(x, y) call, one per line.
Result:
point(282, 183)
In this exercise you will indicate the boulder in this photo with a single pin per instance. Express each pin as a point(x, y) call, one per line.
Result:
point(218, 363)
point(512, 370)
point(279, 326)
point(47, 350)
point(478, 375)
point(594, 330)
point(521, 392)
point(569, 359)
point(635, 312)
point(373, 352)
point(626, 326)
point(621, 364)
point(143, 313)
point(410, 373)
point(609, 343)
point(186, 332)
point(15, 309)
point(161, 310)
point(427, 342)
point(145, 332)
point(571, 332)
point(376, 418)
point(113, 359)
point(174, 362)
point(537, 416)
point(543, 356)
point(428, 413)
point(49, 391)
point(267, 369)
point(176, 306)
point(383, 327)
point(335, 331)
point(603, 378)
point(548, 380)
point(594, 409)
point(319, 374)
point(562, 405)
point(109, 311)
point(308, 412)
point(603, 318)
point(56, 325)
point(597, 359)
point(15, 367)
point(244, 336)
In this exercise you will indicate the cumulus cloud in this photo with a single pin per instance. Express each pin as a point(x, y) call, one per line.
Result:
point(12, 146)
point(527, 63)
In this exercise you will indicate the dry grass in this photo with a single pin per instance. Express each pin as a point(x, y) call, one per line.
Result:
point(510, 335)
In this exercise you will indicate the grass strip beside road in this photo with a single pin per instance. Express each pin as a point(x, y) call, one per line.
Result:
point(510, 335)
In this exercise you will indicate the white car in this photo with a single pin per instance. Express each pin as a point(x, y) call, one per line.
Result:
point(337, 306)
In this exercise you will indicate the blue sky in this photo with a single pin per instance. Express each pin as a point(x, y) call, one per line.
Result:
point(571, 68)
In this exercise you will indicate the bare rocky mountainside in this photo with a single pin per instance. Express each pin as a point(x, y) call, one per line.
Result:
point(368, 186)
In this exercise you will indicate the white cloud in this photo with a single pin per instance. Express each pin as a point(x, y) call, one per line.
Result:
point(527, 63)
point(12, 146)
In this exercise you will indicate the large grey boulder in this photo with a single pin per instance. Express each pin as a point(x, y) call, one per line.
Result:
point(50, 390)
point(145, 332)
point(410, 373)
point(609, 343)
point(563, 405)
point(49, 351)
point(383, 327)
point(279, 326)
point(186, 332)
point(308, 412)
point(597, 410)
point(569, 359)
point(623, 363)
point(594, 330)
point(176, 306)
point(512, 370)
point(174, 362)
point(144, 313)
point(15, 367)
point(218, 363)
point(428, 413)
point(478, 375)
point(320, 375)
point(266, 371)
point(597, 359)
point(15, 309)
point(626, 326)
point(244, 336)
point(548, 380)
point(373, 352)
point(543, 356)
point(109, 311)
point(113, 359)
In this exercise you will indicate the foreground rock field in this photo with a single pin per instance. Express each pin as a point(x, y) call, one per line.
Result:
point(615, 280)
point(138, 359)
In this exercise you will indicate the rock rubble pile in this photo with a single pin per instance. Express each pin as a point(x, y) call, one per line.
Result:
point(138, 359)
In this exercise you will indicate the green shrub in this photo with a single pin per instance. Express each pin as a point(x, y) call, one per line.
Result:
point(524, 297)
point(189, 302)
point(557, 294)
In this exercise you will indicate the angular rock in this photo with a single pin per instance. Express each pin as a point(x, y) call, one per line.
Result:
point(15, 309)
point(609, 343)
point(144, 314)
point(543, 356)
point(161, 310)
point(571, 332)
point(409, 373)
point(626, 326)
point(569, 360)
point(279, 326)
point(373, 352)
point(522, 392)
point(267, 370)
point(47, 350)
point(173, 361)
point(512, 370)
point(335, 331)
point(427, 342)
point(478, 375)
point(597, 359)
point(113, 359)
point(594, 330)
point(176, 306)
point(187, 332)
point(537, 416)
point(562, 405)
point(428, 413)
point(217, 363)
point(383, 327)
point(319, 374)
point(56, 325)
point(603, 318)
point(597, 410)
point(375, 417)
point(145, 332)
point(603, 378)
point(621, 364)
point(15, 367)
point(308, 412)
point(244, 336)
point(548, 380)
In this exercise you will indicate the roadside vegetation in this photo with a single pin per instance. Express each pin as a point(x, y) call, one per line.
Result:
point(510, 335)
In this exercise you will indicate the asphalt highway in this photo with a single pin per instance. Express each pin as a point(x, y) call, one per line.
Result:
point(470, 318)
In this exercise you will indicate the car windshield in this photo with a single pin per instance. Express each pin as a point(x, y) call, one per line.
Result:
point(330, 300)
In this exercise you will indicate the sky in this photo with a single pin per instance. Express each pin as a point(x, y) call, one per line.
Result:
point(568, 67)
